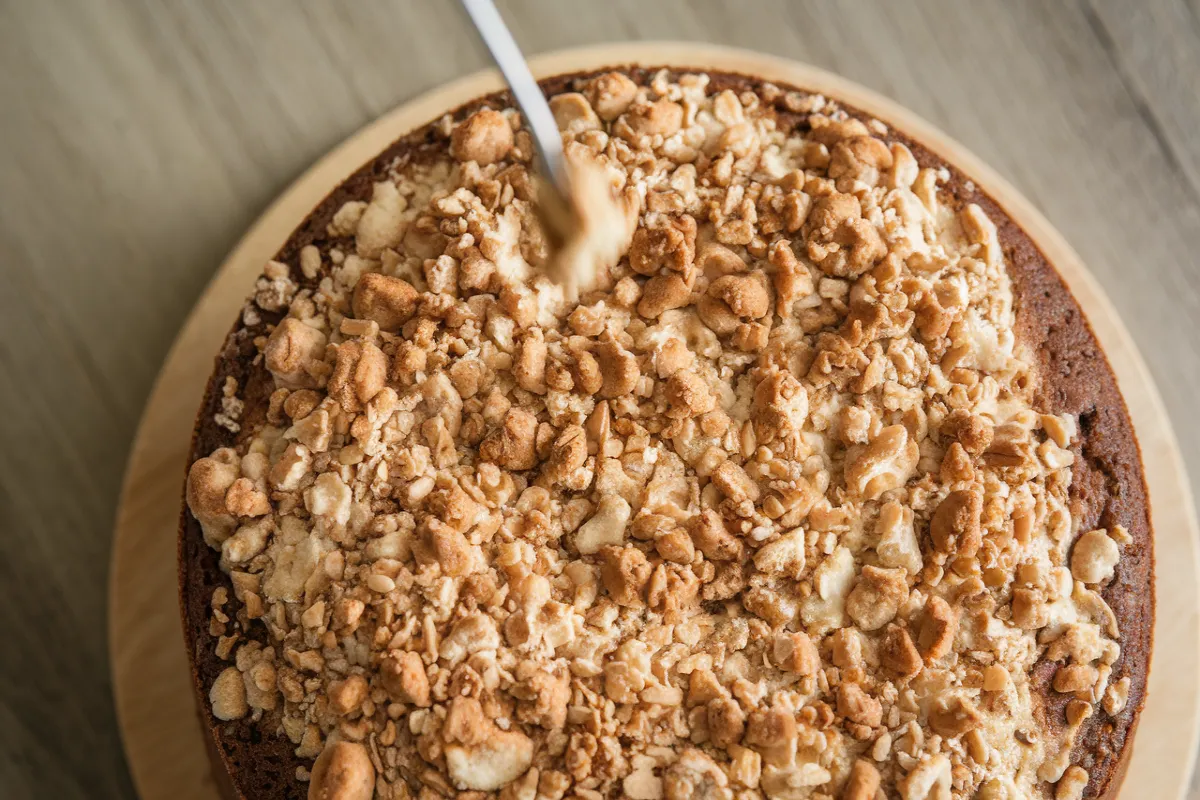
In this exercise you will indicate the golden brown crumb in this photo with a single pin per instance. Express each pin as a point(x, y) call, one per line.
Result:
point(485, 137)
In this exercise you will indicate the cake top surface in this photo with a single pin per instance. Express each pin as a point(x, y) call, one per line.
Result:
point(764, 510)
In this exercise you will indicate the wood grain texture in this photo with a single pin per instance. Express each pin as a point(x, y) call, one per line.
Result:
point(141, 138)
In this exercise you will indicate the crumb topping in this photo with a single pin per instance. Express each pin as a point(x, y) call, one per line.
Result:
point(761, 510)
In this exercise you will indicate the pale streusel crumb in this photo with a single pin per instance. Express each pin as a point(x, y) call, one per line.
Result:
point(766, 512)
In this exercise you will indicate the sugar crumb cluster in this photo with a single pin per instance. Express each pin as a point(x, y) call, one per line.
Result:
point(763, 509)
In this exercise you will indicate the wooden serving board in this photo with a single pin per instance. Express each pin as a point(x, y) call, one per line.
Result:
point(152, 683)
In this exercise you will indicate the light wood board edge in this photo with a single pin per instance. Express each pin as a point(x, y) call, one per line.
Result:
point(152, 685)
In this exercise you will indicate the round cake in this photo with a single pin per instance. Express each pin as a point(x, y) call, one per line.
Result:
point(820, 487)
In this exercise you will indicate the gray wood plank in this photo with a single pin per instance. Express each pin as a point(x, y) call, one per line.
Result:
point(142, 138)
point(1155, 48)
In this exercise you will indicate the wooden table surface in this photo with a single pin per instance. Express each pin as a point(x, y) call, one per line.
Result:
point(141, 138)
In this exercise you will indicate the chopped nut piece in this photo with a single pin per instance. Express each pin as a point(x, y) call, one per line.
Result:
point(846, 647)
point(208, 483)
point(715, 260)
point(244, 500)
point(875, 599)
point(443, 545)
point(703, 688)
point(863, 782)
point(380, 226)
point(744, 295)
point(529, 367)
point(973, 432)
point(624, 571)
point(676, 546)
point(746, 767)
point(1029, 609)
point(955, 526)
point(859, 158)
point(840, 241)
point(897, 546)
point(669, 247)
point(1072, 784)
point(488, 765)
point(780, 406)
point(995, 678)
point(228, 695)
point(606, 527)
point(712, 538)
point(858, 706)
point(899, 654)
point(343, 771)
point(292, 351)
point(484, 137)
point(953, 716)
point(1116, 697)
point(726, 722)
point(300, 403)
point(930, 779)
point(796, 652)
point(346, 696)
point(784, 555)
point(618, 370)
point(1094, 557)
point(671, 357)
point(403, 676)
point(772, 731)
point(568, 454)
point(792, 280)
point(694, 776)
point(642, 784)
point(359, 374)
point(829, 131)
point(611, 94)
point(734, 483)
point(1072, 678)
point(511, 445)
point(573, 113)
point(246, 543)
point(660, 118)
point(956, 465)
point(663, 293)
point(288, 472)
point(884, 464)
point(938, 629)
point(688, 395)
point(388, 301)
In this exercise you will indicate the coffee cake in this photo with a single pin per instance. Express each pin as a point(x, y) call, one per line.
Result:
point(822, 489)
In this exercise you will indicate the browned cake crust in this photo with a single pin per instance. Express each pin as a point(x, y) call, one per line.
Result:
point(1108, 488)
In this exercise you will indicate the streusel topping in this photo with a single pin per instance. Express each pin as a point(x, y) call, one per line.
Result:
point(767, 511)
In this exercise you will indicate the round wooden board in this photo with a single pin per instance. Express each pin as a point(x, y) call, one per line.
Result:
point(160, 729)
